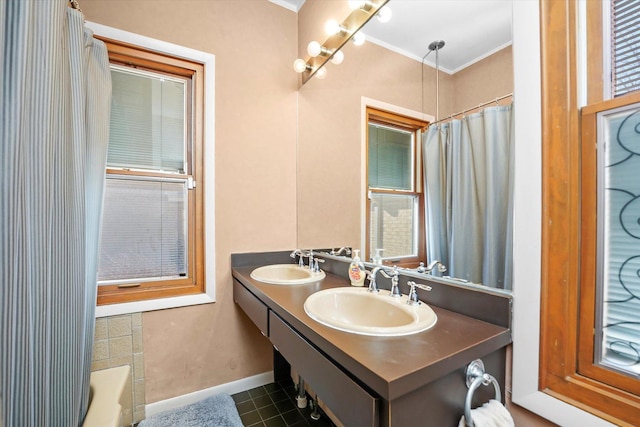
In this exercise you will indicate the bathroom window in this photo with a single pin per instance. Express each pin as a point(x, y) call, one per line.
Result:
point(152, 229)
point(395, 202)
point(589, 318)
point(611, 350)
point(624, 20)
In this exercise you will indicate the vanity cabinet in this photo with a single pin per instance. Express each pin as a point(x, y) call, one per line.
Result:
point(353, 405)
point(257, 311)
point(378, 381)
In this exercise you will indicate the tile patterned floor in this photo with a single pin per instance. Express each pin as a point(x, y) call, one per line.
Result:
point(274, 405)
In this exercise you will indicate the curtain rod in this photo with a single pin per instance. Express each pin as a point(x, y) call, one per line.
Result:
point(451, 116)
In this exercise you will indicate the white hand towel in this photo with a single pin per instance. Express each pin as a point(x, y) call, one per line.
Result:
point(491, 414)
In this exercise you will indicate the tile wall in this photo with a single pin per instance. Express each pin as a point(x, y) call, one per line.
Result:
point(118, 342)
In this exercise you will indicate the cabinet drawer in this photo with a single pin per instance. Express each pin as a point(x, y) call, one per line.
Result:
point(346, 399)
point(252, 306)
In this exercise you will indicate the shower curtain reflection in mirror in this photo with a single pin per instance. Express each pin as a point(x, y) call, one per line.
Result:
point(468, 172)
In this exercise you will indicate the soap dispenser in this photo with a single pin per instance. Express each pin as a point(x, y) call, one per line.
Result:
point(356, 270)
point(377, 258)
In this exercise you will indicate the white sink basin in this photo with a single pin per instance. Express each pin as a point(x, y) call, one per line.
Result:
point(286, 274)
point(361, 312)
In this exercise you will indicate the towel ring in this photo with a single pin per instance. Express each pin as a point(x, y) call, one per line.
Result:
point(476, 376)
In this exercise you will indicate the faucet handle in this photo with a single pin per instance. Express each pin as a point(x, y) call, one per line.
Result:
point(373, 286)
point(301, 256)
point(413, 295)
point(316, 266)
point(395, 280)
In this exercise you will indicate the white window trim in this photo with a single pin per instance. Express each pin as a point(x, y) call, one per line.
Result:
point(527, 226)
point(208, 60)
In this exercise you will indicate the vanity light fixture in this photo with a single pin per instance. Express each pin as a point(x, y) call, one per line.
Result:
point(339, 34)
point(358, 39)
point(384, 14)
point(300, 66)
point(360, 4)
point(321, 73)
point(332, 27)
point(338, 57)
point(314, 49)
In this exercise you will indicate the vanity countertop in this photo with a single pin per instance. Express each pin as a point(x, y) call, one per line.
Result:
point(391, 366)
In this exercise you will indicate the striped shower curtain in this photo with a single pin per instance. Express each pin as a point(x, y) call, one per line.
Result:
point(55, 89)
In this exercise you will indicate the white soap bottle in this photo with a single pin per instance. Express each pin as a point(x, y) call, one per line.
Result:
point(377, 259)
point(356, 270)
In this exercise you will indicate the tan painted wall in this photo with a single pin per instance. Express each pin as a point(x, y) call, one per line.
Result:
point(329, 149)
point(483, 81)
point(255, 43)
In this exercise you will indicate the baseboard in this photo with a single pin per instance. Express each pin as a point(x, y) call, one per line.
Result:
point(229, 388)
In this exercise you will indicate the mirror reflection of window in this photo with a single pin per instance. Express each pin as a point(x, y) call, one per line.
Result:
point(395, 199)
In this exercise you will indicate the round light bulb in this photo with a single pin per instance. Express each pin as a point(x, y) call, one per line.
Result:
point(299, 65)
point(314, 48)
point(321, 73)
point(332, 27)
point(338, 57)
point(356, 4)
point(358, 39)
point(384, 14)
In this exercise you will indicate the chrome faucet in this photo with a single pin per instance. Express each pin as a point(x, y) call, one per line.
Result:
point(395, 289)
point(345, 249)
point(413, 295)
point(441, 268)
point(299, 253)
point(315, 266)
point(393, 275)
point(373, 286)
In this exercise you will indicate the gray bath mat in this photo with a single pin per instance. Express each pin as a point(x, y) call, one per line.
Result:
point(215, 411)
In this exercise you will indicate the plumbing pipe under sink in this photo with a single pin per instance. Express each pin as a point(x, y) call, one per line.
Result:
point(301, 398)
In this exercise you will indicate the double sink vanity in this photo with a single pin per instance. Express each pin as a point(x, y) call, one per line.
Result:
point(372, 359)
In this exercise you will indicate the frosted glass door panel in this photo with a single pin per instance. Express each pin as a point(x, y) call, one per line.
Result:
point(618, 322)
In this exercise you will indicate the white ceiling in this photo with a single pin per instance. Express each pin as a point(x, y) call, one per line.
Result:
point(471, 29)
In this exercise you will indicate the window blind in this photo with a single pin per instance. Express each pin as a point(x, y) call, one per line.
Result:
point(144, 229)
point(390, 158)
point(619, 258)
point(147, 129)
point(625, 46)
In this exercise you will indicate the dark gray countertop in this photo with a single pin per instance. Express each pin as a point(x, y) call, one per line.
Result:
point(390, 366)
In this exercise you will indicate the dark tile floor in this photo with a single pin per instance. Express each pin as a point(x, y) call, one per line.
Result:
point(274, 405)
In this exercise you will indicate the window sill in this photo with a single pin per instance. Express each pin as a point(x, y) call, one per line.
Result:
point(155, 304)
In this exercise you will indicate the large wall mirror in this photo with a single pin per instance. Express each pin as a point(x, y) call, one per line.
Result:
point(475, 66)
